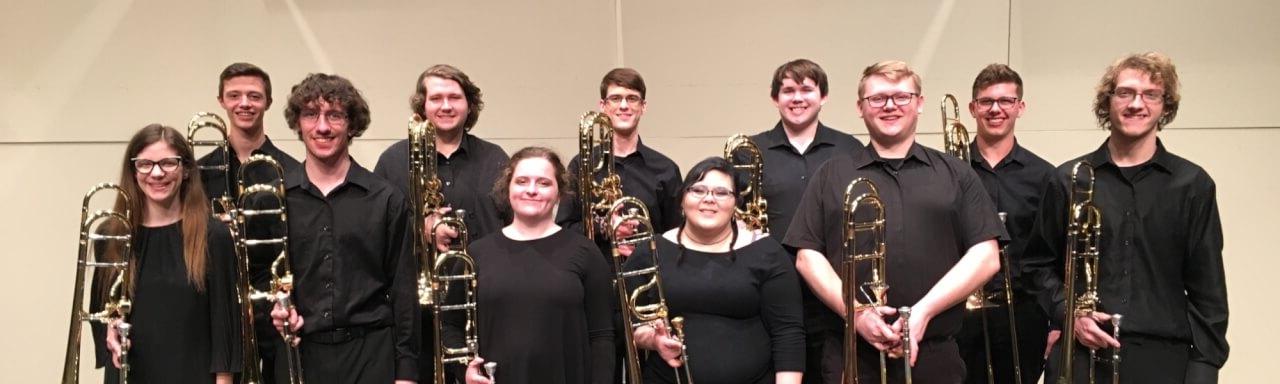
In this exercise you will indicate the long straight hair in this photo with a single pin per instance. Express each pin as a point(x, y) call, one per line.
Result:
point(195, 206)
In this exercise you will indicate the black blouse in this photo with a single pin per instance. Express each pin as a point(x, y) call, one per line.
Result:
point(180, 334)
point(742, 311)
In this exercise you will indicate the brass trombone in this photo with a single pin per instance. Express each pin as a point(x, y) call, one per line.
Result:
point(203, 121)
point(262, 198)
point(442, 280)
point(103, 229)
point(595, 156)
point(746, 157)
point(1084, 233)
point(1008, 297)
point(632, 210)
point(874, 291)
point(424, 194)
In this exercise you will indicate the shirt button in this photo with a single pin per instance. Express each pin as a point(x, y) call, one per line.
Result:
point(326, 256)
point(802, 177)
point(1127, 242)
point(448, 183)
point(326, 314)
point(328, 284)
point(324, 228)
point(1128, 213)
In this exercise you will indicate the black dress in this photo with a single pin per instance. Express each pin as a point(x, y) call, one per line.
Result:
point(179, 334)
point(544, 312)
point(742, 311)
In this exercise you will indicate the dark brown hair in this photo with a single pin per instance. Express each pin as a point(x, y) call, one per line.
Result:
point(244, 69)
point(501, 188)
point(996, 73)
point(696, 174)
point(475, 103)
point(797, 70)
point(622, 77)
point(338, 92)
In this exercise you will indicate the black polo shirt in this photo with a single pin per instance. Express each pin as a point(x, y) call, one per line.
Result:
point(646, 175)
point(1161, 250)
point(467, 178)
point(935, 210)
point(351, 260)
point(1015, 185)
point(216, 183)
point(260, 227)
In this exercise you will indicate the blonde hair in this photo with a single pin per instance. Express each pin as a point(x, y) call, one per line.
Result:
point(893, 70)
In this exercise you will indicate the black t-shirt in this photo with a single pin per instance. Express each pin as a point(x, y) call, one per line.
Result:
point(935, 210)
point(1015, 185)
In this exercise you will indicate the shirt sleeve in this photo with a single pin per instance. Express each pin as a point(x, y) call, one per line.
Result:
point(782, 311)
point(1042, 260)
point(404, 286)
point(807, 227)
point(978, 217)
point(596, 284)
point(569, 215)
point(1205, 281)
point(670, 200)
point(224, 307)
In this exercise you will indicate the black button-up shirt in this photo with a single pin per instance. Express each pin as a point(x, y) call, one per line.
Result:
point(260, 227)
point(646, 175)
point(787, 172)
point(935, 210)
point(351, 260)
point(1015, 185)
point(1161, 250)
point(467, 179)
point(216, 183)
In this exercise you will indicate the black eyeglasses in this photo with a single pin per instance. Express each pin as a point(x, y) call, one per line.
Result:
point(899, 99)
point(1003, 102)
point(699, 192)
point(145, 166)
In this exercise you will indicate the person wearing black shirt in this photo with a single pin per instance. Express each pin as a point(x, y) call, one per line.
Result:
point(941, 235)
point(736, 292)
point(355, 281)
point(244, 92)
point(1014, 177)
point(646, 174)
point(1161, 244)
point(543, 290)
point(185, 323)
point(466, 165)
point(792, 151)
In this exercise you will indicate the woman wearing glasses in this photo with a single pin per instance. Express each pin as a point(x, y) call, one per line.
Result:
point(185, 325)
point(543, 295)
point(738, 293)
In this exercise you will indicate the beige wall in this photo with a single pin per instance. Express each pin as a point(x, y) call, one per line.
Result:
point(79, 77)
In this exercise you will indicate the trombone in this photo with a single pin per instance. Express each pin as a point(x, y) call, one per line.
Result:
point(203, 121)
point(745, 156)
point(424, 194)
point(632, 210)
point(595, 156)
point(267, 199)
point(874, 291)
point(441, 280)
point(1008, 297)
point(100, 230)
point(1084, 231)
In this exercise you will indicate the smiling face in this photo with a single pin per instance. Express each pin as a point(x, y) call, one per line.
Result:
point(709, 212)
point(533, 191)
point(323, 128)
point(1135, 118)
point(245, 100)
point(161, 185)
point(445, 103)
point(891, 123)
point(624, 106)
point(995, 120)
point(799, 103)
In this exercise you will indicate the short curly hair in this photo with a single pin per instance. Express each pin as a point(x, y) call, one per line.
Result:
point(1162, 71)
point(475, 103)
point(337, 91)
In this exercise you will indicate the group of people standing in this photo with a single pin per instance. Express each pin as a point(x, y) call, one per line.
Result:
point(758, 307)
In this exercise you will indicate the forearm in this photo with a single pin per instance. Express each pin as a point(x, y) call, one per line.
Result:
point(977, 266)
point(821, 278)
point(222, 378)
point(788, 377)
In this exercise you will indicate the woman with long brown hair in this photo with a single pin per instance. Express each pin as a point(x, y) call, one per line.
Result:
point(184, 320)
